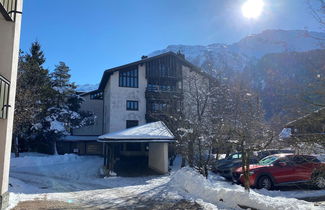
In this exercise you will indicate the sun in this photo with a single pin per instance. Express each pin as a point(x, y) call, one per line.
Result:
point(252, 9)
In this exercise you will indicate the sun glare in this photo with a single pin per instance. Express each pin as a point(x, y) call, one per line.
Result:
point(252, 9)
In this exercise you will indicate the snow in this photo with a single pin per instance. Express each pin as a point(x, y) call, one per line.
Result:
point(235, 57)
point(87, 87)
point(150, 131)
point(227, 195)
point(285, 133)
point(76, 179)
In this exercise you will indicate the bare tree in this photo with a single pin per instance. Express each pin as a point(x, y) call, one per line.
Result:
point(249, 129)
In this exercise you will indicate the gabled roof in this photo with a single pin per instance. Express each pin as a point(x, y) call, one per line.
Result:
point(108, 72)
point(150, 132)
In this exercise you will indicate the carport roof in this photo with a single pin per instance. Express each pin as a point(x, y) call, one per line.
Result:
point(150, 132)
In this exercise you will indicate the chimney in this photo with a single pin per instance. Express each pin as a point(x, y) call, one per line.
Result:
point(144, 57)
point(180, 54)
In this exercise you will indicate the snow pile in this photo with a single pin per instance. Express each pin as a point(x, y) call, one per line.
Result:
point(27, 160)
point(232, 196)
point(63, 166)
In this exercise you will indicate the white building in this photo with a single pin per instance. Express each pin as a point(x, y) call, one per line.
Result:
point(132, 95)
point(10, 21)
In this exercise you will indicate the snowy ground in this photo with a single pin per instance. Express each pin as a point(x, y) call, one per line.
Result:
point(75, 179)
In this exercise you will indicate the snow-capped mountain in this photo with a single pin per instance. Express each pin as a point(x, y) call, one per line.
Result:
point(87, 87)
point(236, 56)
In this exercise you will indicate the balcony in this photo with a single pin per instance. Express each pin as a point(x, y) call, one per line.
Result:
point(150, 94)
point(4, 97)
point(8, 8)
point(163, 92)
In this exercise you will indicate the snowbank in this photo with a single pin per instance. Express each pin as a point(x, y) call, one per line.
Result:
point(63, 166)
point(42, 160)
point(226, 194)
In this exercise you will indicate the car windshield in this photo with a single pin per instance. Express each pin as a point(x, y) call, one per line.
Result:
point(234, 156)
point(268, 160)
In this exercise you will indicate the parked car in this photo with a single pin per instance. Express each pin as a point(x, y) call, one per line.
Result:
point(225, 167)
point(284, 170)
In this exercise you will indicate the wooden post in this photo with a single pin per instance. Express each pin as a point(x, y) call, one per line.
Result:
point(105, 153)
point(111, 158)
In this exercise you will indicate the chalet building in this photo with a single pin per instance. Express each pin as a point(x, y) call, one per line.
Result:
point(309, 128)
point(10, 21)
point(132, 95)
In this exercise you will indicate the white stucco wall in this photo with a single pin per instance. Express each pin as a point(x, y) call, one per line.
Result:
point(95, 106)
point(158, 157)
point(115, 113)
point(9, 49)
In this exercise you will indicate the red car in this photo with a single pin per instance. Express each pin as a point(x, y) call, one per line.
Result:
point(284, 169)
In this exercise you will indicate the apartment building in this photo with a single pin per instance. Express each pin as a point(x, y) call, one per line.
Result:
point(10, 21)
point(132, 95)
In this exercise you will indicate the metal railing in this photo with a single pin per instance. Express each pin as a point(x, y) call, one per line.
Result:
point(8, 8)
point(4, 97)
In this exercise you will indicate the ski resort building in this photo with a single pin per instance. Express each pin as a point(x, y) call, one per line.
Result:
point(10, 21)
point(134, 95)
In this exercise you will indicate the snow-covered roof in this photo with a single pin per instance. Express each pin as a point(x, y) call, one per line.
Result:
point(79, 138)
point(150, 132)
point(285, 133)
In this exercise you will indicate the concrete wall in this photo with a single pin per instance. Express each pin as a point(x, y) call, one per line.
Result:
point(115, 113)
point(9, 49)
point(95, 106)
point(158, 157)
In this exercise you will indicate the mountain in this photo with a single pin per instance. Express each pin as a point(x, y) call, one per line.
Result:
point(281, 65)
point(285, 81)
point(87, 87)
point(235, 57)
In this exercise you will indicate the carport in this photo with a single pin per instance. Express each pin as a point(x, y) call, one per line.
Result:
point(149, 141)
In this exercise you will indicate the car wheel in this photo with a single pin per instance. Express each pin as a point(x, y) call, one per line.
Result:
point(318, 179)
point(320, 182)
point(264, 182)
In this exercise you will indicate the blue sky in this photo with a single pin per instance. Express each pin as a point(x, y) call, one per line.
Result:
point(94, 35)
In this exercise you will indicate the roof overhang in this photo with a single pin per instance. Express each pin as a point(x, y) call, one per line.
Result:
point(156, 132)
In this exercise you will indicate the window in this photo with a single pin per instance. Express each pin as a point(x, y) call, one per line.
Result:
point(4, 97)
point(158, 106)
point(132, 105)
point(163, 88)
point(131, 123)
point(128, 78)
point(96, 96)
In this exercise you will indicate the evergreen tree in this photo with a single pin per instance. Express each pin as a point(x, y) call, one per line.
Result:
point(33, 87)
point(62, 113)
